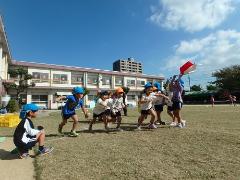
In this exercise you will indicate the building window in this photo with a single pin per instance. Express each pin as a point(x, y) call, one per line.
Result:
point(92, 79)
point(40, 77)
point(39, 98)
point(131, 97)
point(118, 81)
point(91, 97)
point(60, 78)
point(106, 80)
point(131, 82)
point(77, 78)
point(140, 83)
point(150, 80)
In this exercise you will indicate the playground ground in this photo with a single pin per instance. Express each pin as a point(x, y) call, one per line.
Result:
point(208, 148)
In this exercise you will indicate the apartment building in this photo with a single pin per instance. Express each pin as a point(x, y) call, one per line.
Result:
point(129, 65)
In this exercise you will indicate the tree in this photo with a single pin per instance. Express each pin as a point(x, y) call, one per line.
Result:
point(228, 78)
point(211, 87)
point(196, 88)
point(21, 84)
point(12, 106)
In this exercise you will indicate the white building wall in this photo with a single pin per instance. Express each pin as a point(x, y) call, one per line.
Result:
point(2, 69)
point(68, 73)
point(32, 70)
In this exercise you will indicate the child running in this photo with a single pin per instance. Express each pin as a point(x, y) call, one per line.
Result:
point(101, 110)
point(68, 111)
point(146, 106)
point(177, 89)
point(117, 106)
point(25, 136)
point(158, 103)
point(169, 103)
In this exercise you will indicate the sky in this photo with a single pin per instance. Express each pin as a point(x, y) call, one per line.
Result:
point(162, 34)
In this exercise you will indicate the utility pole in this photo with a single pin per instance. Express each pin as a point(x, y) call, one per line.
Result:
point(189, 83)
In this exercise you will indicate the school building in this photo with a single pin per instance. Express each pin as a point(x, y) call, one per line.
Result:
point(54, 80)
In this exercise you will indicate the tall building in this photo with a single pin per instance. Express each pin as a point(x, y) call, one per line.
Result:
point(128, 65)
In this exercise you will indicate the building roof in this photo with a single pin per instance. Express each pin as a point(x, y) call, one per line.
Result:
point(3, 39)
point(82, 69)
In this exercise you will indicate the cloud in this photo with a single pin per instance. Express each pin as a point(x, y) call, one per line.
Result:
point(213, 52)
point(191, 15)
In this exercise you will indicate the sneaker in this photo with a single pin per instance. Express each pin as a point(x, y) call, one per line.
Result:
point(119, 129)
point(60, 130)
point(45, 150)
point(157, 123)
point(152, 126)
point(173, 124)
point(183, 122)
point(138, 128)
point(24, 155)
point(107, 128)
point(162, 123)
point(179, 125)
point(73, 134)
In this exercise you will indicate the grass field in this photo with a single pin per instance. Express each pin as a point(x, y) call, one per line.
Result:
point(208, 148)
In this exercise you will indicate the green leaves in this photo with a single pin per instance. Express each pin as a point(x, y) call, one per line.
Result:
point(21, 83)
point(228, 78)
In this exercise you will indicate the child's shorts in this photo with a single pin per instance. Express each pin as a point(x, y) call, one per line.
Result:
point(146, 112)
point(176, 105)
point(116, 114)
point(67, 116)
point(98, 115)
point(158, 107)
point(24, 148)
point(170, 108)
point(107, 112)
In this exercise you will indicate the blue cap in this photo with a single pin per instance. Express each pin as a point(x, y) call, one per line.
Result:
point(30, 107)
point(148, 85)
point(157, 85)
point(78, 90)
point(26, 108)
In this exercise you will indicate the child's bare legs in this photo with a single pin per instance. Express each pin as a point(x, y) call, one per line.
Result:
point(158, 116)
point(176, 113)
point(91, 123)
point(105, 120)
point(64, 121)
point(41, 138)
point(153, 115)
point(141, 119)
point(171, 115)
point(119, 120)
point(75, 122)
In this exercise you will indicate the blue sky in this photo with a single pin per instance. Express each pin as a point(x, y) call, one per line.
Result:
point(162, 34)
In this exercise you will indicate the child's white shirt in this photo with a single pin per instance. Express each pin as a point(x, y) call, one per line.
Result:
point(170, 95)
point(158, 100)
point(100, 107)
point(117, 104)
point(149, 104)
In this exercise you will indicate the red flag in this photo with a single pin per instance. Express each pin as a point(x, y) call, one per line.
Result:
point(187, 68)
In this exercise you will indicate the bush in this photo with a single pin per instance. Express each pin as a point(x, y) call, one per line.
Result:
point(13, 106)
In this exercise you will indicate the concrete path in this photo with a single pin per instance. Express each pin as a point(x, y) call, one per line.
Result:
point(11, 167)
